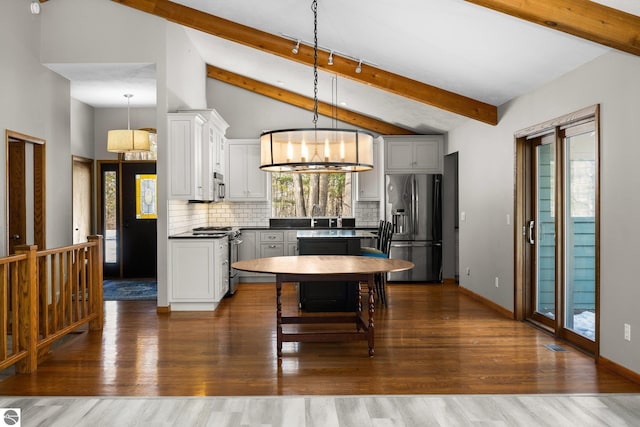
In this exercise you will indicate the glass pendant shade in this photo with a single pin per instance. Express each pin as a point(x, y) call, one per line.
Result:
point(316, 150)
point(128, 141)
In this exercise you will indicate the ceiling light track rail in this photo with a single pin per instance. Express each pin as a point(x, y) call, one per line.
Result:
point(330, 52)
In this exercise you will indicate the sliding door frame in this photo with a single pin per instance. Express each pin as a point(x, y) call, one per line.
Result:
point(522, 212)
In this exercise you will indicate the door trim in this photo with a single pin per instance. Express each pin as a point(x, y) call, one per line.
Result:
point(39, 184)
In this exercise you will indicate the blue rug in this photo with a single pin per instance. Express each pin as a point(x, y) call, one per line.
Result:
point(130, 290)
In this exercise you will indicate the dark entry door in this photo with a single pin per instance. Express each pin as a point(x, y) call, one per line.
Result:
point(139, 210)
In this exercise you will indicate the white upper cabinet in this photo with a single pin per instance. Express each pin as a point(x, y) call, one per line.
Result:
point(217, 128)
point(368, 183)
point(196, 152)
point(245, 181)
point(185, 156)
point(414, 153)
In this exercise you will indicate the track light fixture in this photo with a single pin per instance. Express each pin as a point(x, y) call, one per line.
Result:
point(299, 41)
point(296, 48)
point(35, 7)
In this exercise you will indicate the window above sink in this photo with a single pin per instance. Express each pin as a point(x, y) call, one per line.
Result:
point(301, 196)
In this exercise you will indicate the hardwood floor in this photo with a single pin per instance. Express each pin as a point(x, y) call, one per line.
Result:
point(429, 340)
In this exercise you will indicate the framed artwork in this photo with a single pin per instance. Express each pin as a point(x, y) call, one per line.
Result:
point(146, 200)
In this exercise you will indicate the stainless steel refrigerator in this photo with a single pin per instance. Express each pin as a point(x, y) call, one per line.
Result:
point(413, 204)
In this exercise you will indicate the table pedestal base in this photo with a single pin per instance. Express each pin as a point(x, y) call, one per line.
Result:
point(364, 330)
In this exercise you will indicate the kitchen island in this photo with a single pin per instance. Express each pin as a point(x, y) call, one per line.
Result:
point(333, 295)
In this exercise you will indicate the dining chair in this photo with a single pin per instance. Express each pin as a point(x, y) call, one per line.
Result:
point(374, 249)
point(384, 247)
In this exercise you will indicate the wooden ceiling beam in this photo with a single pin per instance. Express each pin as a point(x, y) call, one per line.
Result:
point(585, 19)
point(292, 98)
point(344, 67)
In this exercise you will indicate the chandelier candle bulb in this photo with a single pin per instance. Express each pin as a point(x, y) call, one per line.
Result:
point(289, 151)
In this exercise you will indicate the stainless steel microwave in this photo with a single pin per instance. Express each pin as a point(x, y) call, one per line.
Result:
point(218, 187)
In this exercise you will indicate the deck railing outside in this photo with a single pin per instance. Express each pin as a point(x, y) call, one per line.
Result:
point(45, 295)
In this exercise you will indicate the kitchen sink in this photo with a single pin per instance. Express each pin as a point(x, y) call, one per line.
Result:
point(299, 222)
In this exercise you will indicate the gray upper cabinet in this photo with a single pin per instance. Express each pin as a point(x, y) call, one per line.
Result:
point(414, 153)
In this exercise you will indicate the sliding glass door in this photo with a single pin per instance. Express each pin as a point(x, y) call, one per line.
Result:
point(557, 200)
point(541, 231)
point(579, 292)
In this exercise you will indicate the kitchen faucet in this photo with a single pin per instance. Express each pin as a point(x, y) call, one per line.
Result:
point(314, 208)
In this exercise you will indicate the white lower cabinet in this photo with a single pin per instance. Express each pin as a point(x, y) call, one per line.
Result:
point(198, 273)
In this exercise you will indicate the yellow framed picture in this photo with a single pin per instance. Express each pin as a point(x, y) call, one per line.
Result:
point(146, 200)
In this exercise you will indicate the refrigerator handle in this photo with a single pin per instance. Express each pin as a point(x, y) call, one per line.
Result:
point(414, 201)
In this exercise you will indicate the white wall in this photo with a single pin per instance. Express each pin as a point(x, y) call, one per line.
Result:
point(35, 101)
point(487, 191)
point(249, 114)
point(82, 129)
point(186, 72)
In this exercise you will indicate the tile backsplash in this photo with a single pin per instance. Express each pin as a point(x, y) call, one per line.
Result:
point(236, 214)
point(184, 216)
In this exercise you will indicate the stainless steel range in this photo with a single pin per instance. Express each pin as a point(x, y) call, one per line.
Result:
point(235, 241)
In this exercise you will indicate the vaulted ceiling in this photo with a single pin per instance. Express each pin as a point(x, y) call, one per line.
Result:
point(426, 65)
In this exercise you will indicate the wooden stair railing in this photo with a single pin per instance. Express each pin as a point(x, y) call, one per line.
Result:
point(44, 295)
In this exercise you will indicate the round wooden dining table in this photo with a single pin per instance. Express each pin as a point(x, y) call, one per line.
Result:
point(326, 268)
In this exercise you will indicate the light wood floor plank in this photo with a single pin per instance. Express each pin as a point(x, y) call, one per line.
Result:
point(337, 411)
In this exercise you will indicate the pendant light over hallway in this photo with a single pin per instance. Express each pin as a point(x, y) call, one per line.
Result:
point(128, 140)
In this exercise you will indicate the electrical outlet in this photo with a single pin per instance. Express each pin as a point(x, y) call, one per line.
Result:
point(497, 282)
point(468, 271)
point(627, 332)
